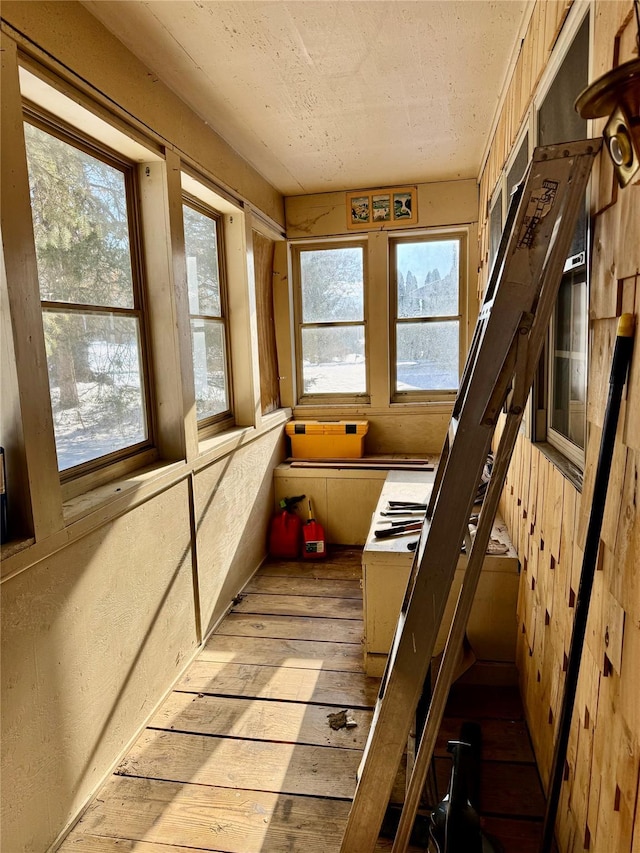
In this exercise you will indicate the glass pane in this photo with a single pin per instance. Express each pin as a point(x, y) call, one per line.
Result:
point(557, 119)
point(80, 224)
point(519, 165)
point(569, 379)
point(95, 378)
point(209, 368)
point(428, 275)
point(495, 229)
point(427, 356)
point(201, 251)
point(332, 285)
point(333, 360)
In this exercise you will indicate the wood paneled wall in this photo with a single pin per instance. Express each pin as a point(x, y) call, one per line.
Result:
point(544, 26)
point(263, 252)
point(548, 516)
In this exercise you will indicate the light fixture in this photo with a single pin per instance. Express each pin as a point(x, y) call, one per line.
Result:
point(617, 94)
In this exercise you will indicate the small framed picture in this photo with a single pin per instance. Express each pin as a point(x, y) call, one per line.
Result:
point(359, 209)
point(381, 208)
point(403, 206)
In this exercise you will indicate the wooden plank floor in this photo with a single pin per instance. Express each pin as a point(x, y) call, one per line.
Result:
point(241, 758)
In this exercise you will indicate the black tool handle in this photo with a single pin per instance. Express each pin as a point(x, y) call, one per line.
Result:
point(396, 531)
point(619, 366)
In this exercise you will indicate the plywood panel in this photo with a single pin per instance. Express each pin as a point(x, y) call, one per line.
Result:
point(439, 204)
point(255, 719)
point(233, 506)
point(125, 587)
point(294, 685)
point(351, 505)
point(312, 487)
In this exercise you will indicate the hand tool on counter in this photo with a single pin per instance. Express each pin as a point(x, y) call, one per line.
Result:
point(398, 530)
point(619, 368)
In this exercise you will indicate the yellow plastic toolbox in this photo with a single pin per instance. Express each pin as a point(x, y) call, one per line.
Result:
point(327, 439)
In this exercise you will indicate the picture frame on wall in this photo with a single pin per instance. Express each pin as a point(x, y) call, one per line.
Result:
point(381, 208)
point(359, 210)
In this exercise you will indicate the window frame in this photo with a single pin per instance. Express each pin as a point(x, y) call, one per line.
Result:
point(439, 235)
point(542, 429)
point(142, 452)
point(537, 423)
point(214, 424)
point(296, 250)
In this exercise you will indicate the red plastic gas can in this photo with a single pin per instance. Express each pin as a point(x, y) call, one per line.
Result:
point(285, 533)
point(314, 544)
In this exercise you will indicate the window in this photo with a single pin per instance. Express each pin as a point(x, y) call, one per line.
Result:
point(567, 350)
point(205, 284)
point(495, 228)
point(83, 207)
point(426, 324)
point(518, 167)
point(330, 306)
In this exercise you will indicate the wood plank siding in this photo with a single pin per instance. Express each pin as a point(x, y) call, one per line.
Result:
point(547, 513)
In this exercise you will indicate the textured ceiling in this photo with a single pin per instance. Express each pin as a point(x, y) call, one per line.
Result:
point(333, 95)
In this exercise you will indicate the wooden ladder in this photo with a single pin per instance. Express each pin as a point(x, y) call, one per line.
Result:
point(498, 374)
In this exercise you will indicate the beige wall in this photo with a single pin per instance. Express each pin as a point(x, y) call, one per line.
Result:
point(393, 427)
point(548, 516)
point(109, 592)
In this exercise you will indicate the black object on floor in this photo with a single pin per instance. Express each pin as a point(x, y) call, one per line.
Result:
point(455, 822)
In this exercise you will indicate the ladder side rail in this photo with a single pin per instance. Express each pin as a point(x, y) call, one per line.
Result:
point(478, 333)
point(449, 662)
point(410, 657)
point(459, 622)
point(489, 294)
point(534, 327)
point(512, 211)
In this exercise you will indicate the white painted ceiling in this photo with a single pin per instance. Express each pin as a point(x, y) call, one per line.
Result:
point(323, 95)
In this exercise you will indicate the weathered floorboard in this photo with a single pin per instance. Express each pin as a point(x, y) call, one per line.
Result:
point(304, 654)
point(326, 587)
point(108, 844)
point(341, 566)
point(350, 689)
point(502, 740)
point(292, 627)
point(213, 819)
point(290, 722)
point(248, 764)
point(300, 605)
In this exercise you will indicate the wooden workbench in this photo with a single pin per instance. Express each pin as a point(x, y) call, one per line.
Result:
point(386, 565)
